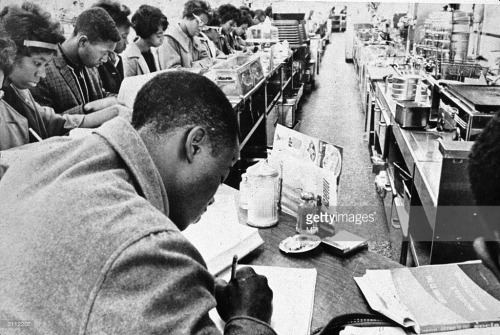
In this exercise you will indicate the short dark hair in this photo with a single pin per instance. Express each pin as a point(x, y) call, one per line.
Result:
point(7, 55)
point(147, 19)
point(245, 18)
point(197, 7)
point(118, 12)
point(259, 13)
point(269, 11)
point(228, 12)
point(484, 165)
point(97, 25)
point(177, 99)
point(29, 22)
point(214, 20)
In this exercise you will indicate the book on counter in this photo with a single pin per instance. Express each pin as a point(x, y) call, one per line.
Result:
point(459, 298)
point(219, 235)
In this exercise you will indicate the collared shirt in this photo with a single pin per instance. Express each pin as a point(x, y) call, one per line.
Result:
point(81, 76)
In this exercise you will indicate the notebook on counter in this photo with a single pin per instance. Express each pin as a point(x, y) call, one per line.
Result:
point(219, 235)
point(293, 298)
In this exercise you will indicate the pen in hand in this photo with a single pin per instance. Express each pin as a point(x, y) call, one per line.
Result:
point(233, 267)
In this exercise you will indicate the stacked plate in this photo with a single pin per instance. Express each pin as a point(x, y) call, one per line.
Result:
point(404, 87)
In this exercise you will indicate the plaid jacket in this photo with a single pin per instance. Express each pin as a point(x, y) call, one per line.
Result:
point(59, 88)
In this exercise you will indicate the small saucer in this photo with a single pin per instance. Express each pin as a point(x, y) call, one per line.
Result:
point(299, 243)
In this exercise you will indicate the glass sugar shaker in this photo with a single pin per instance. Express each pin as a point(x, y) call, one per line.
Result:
point(307, 216)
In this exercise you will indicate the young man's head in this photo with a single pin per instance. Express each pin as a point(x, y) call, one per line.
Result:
point(150, 24)
point(119, 13)
point(36, 37)
point(259, 16)
point(228, 16)
point(95, 36)
point(190, 130)
point(195, 16)
point(484, 175)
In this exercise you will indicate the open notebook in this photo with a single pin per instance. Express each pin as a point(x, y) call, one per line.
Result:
point(219, 236)
point(293, 298)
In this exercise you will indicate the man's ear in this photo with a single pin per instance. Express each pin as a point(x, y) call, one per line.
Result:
point(196, 141)
point(82, 40)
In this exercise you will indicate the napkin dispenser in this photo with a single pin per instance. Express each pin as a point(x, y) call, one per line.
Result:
point(411, 114)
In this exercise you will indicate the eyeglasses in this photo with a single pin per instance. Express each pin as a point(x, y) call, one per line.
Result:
point(200, 21)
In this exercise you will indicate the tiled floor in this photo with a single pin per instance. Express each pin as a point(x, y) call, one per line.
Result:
point(332, 112)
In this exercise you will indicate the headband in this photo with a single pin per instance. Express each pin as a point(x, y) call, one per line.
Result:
point(38, 44)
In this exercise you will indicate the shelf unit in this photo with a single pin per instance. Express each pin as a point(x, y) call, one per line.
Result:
point(260, 110)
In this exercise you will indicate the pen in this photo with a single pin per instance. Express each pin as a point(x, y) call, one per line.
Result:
point(233, 267)
point(35, 134)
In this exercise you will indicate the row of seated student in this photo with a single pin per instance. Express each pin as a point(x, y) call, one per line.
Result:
point(52, 84)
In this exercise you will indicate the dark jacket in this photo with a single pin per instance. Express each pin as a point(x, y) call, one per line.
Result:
point(59, 89)
point(111, 75)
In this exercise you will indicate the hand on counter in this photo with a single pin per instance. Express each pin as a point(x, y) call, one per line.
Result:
point(100, 104)
point(248, 294)
point(97, 118)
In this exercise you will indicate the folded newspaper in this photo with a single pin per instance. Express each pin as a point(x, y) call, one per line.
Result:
point(436, 298)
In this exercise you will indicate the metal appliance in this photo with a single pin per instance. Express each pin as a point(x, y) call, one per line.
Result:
point(476, 105)
point(411, 114)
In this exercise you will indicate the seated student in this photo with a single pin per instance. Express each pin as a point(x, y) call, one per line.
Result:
point(149, 24)
point(484, 175)
point(239, 33)
point(72, 84)
point(228, 16)
point(34, 44)
point(209, 36)
point(183, 47)
point(103, 216)
point(112, 71)
point(259, 16)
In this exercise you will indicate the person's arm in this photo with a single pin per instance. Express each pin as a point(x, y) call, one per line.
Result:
point(160, 285)
point(45, 96)
point(204, 61)
point(169, 54)
point(96, 119)
point(97, 105)
point(58, 125)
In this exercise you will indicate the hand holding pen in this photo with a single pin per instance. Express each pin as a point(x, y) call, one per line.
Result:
point(247, 294)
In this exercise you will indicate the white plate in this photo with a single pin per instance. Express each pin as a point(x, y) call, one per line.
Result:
point(299, 243)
